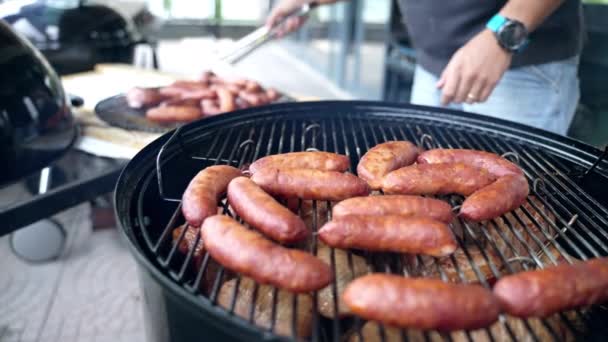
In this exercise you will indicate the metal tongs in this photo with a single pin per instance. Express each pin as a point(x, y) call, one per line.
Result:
point(260, 36)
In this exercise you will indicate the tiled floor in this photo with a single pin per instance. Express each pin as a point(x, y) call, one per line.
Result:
point(91, 293)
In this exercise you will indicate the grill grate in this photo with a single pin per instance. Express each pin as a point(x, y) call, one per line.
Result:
point(572, 223)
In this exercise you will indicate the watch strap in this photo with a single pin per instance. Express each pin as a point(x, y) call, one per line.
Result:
point(496, 22)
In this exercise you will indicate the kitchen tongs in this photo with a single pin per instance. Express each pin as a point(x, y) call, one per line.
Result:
point(260, 36)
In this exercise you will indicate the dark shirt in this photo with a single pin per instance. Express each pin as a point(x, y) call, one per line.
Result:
point(437, 28)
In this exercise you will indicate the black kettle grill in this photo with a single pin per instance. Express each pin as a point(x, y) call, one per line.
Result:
point(75, 38)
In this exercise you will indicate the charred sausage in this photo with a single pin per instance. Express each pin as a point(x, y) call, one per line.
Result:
point(310, 184)
point(403, 205)
point(249, 253)
point(421, 303)
point(325, 161)
point(392, 233)
point(436, 179)
point(200, 200)
point(384, 158)
point(264, 213)
point(505, 194)
point(540, 293)
point(495, 164)
point(169, 114)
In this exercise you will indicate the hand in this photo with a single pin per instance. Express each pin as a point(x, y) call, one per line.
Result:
point(474, 70)
point(281, 10)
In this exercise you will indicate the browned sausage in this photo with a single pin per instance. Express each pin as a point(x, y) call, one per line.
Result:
point(421, 303)
point(206, 77)
point(325, 161)
point(204, 191)
point(391, 233)
point(384, 158)
point(436, 179)
point(144, 97)
point(252, 86)
point(169, 114)
point(199, 94)
point(249, 253)
point(495, 164)
point(310, 184)
point(505, 194)
point(179, 102)
point(540, 293)
point(226, 100)
point(264, 213)
point(403, 205)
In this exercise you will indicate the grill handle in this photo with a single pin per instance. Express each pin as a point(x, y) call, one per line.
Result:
point(159, 169)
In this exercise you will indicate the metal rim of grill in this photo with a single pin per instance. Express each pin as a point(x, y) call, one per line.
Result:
point(552, 164)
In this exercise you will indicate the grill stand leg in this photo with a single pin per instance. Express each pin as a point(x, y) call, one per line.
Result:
point(43, 240)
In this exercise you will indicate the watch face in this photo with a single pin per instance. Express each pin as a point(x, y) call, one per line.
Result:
point(513, 34)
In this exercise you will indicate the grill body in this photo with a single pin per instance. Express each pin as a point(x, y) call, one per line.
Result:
point(567, 177)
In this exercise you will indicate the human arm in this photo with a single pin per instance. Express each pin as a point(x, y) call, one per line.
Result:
point(476, 67)
point(284, 7)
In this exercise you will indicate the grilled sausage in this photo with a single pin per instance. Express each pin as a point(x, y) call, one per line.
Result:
point(325, 161)
point(143, 97)
point(419, 235)
point(264, 213)
point(252, 86)
point(199, 94)
point(310, 184)
point(403, 205)
point(272, 94)
point(495, 164)
point(204, 191)
point(249, 253)
point(421, 303)
point(540, 293)
point(170, 114)
point(210, 107)
point(505, 194)
point(226, 99)
point(436, 179)
point(251, 98)
point(384, 158)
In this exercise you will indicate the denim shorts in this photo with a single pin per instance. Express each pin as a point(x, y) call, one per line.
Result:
point(543, 95)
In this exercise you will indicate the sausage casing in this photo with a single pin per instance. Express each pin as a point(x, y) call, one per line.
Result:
point(264, 213)
point(325, 161)
point(436, 179)
point(505, 194)
point(418, 235)
point(493, 163)
point(384, 158)
point(249, 253)
point(310, 184)
point(143, 97)
point(421, 303)
point(169, 114)
point(199, 201)
point(540, 293)
point(403, 205)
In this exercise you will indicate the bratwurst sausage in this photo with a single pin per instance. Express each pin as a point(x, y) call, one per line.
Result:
point(384, 158)
point(436, 179)
point(403, 205)
point(310, 184)
point(264, 213)
point(204, 191)
point(505, 194)
point(493, 163)
point(421, 303)
point(325, 161)
point(249, 253)
point(393, 233)
point(170, 114)
point(540, 293)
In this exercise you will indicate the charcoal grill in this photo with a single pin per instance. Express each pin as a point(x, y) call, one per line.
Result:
point(567, 177)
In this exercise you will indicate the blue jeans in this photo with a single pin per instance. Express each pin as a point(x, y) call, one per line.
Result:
point(543, 95)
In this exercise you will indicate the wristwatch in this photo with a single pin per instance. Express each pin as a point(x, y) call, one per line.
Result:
point(511, 34)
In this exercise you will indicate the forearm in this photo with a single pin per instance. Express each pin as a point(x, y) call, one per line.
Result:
point(530, 12)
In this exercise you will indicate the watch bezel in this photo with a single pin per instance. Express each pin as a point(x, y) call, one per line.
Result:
point(504, 29)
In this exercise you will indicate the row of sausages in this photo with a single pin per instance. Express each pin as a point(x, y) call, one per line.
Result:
point(185, 100)
point(320, 176)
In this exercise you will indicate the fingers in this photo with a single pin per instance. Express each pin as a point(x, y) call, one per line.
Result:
point(449, 82)
point(487, 91)
point(474, 93)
